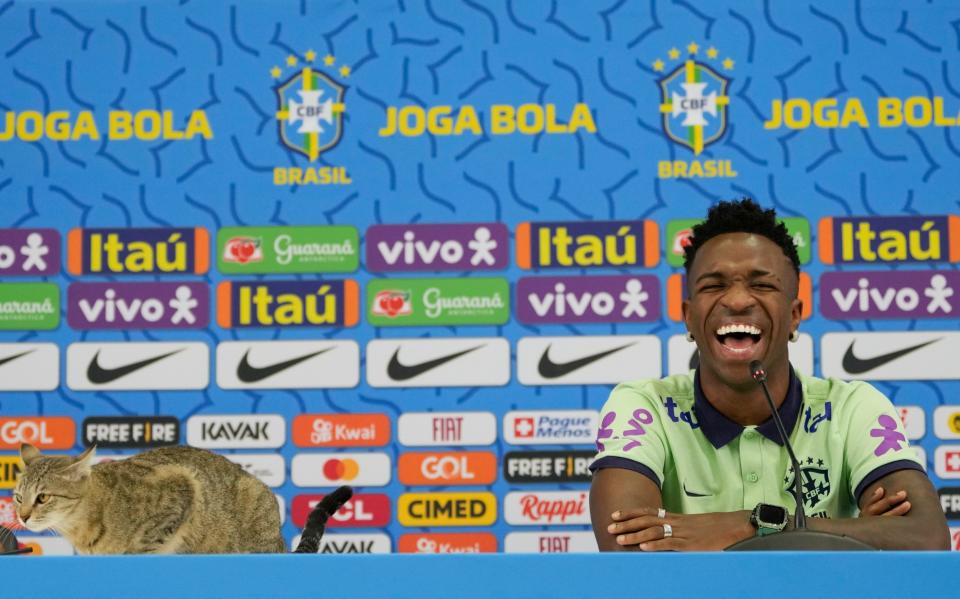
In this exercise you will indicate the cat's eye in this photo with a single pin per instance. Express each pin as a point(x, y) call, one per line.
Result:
point(42, 498)
point(18, 498)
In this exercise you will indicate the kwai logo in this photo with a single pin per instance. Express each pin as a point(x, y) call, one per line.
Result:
point(125, 432)
point(693, 105)
point(435, 247)
point(890, 294)
point(155, 251)
point(588, 299)
point(29, 306)
point(261, 431)
point(448, 542)
point(679, 232)
point(425, 302)
point(889, 239)
point(587, 244)
point(182, 305)
point(546, 507)
point(287, 303)
point(341, 430)
point(310, 108)
point(29, 252)
point(265, 250)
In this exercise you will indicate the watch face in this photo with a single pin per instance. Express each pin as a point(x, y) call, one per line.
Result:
point(772, 514)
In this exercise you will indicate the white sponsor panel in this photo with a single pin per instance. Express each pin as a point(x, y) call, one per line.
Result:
point(154, 366)
point(680, 354)
point(955, 538)
point(946, 422)
point(587, 360)
point(376, 542)
point(288, 364)
point(453, 362)
point(335, 469)
point(890, 356)
point(432, 429)
point(237, 431)
point(546, 508)
point(29, 366)
point(914, 420)
point(282, 504)
point(49, 545)
point(575, 541)
point(551, 427)
point(268, 467)
point(946, 461)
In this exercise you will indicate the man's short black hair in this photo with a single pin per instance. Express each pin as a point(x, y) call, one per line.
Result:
point(741, 216)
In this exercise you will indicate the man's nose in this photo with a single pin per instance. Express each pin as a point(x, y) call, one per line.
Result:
point(738, 297)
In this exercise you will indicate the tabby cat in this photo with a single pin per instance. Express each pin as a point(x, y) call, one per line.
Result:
point(167, 500)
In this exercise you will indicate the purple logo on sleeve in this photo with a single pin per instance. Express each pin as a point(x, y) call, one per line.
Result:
point(890, 294)
point(165, 305)
point(29, 252)
point(617, 298)
point(891, 437)
point(606, 430)
point(640, 417)
point(432, 247)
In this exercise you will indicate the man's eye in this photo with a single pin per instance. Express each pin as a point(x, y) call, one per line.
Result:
point(42, 498)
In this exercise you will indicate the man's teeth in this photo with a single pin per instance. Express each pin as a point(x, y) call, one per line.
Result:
point(738, 328)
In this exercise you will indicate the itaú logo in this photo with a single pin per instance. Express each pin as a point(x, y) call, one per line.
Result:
point(345, 470)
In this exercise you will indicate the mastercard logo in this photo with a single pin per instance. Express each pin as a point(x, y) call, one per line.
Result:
point(336, 469)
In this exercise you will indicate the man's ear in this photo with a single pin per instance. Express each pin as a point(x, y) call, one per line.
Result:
point(28, 453)
point(796, 313)
point(83, 462)
point(685, 311)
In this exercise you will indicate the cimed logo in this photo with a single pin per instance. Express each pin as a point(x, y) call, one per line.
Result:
point(693, 98)
point(310, 112)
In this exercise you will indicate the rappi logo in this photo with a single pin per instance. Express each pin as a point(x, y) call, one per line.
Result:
point(558, 507)
point(435, 247)
point(243, 250)
point(29, 252)
point(454, 542)
point(585, 299)
point(889, 239)
point(576, 244)
point(341, 430)
point(452, 468)
point(392, 303)
point(51, 432)
point(156, 251)
point(364, 510)
point(288, 303)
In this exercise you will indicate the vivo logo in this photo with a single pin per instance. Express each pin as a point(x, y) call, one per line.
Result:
point(588, 299)
point(893, 294)
point(138, 305)
point(29, 252)
point(457, 246)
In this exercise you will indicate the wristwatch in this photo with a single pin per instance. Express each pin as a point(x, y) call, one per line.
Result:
point(768, 519)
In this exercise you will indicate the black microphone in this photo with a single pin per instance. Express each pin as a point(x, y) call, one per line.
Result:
point(759, 374)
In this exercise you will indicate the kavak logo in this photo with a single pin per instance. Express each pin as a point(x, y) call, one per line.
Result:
point(914, 420)
point(546, 507)
point(134, 366)
point(447, 509)
point(585, 299)
point(890, 294)
point(451, 468)
point(29, 306)
point(10, 468)
point(554, 427)
point(266, 250)
point(680, 231)
point(437, 247)
point(433, 429)
point(157, 251)
point(138, 305)
point(587, 360)
point(268, 467)
point(29, 367)
point(946, 460)
point(310, 108)
point(341, 543)
point(364, 510)
point(547, 466)
point(288, 303)
point(550, 542)
point(434, 302)
point(448, 542)
point(341, 430)
point(436, 362)
point(682, 355)
point(889, 239)
point(677, 292)
point(949, 502)
point(288, 364)
point(335, 469)
point(913, 355)
point(43, 432)
point(946, 422)
point(585, 244)
point(32, 252)
point(125, 432)
point(243, 431)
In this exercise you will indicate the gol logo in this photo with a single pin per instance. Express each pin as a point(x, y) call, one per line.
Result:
point(364, 510)
point(454, 468)
point(448, 542)
point(57, 432)
point(447, 509)
point(341, 430)
point(10, 468)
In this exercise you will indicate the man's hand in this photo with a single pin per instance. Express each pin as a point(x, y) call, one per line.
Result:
point(882, 504)
point(642, 529)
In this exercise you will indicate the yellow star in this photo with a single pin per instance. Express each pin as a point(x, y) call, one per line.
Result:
point(329, 60)
point(728, 64)
point(310, 55)
point(658, 65)
point(674, 53)
point(693, 48)
point(712, 52)
point(291, 60)
point(275, 72)
point(344, 71)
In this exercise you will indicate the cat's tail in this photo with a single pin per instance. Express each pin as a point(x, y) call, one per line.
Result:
point(317, 520)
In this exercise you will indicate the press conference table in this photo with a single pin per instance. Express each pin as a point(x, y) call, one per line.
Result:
point(714, 575)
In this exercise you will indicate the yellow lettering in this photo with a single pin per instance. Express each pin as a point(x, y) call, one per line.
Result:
point(501, 119)
point(582, 118)
point(120, 125)
point(888, 112)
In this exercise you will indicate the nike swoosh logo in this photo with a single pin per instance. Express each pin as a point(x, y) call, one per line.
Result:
point(252, 374)
point(691, 493)
point(855, 365)
point(99, 375)
point(549, 369)
point(405, 372)
point(15, 356)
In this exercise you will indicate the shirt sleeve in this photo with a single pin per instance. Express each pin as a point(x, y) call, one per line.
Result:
point(876, 442)
point(631, 433)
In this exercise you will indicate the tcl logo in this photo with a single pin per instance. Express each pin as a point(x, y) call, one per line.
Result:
point(45, 433)
point(453, 468)
point(363, 510)
point(549, 507)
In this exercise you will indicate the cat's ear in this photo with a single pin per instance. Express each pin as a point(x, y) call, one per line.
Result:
point(83, 462)
point(28, 453)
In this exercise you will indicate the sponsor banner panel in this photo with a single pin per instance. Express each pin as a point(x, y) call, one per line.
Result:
point(447, 542)
point(29, 306)
point(268, 467)
point(452, 362)
point(43, 432)
point(143, 251)
point(288, 364)
point(267, 250)
point(588, 244)
point(437, 247)
point(682, 355)
point(889, 239)
point(949, 502)
point(890, 294)
point(30, 252)
point(586, 299)
point(153, 365)
point(173, 305)
point(438, 302)
point(8, 514)
point(227, 431)
point(341, 430)
point(126, 432)
point(679, 232)
point(574, 541)
point(946, 461)
point(29, 366)
point(448, 468)
point(363, 510)
point(954, 538)
point(344, 543)
point(946, 422)
point(548, 466)
point(914, 420)
point(432, 429)
point(46, 545)
point(335, 469)
point(327, 303)
point(447, 509)
point(525, 508)
point(890, 356)
point(10, 469)
point(587, 360)
point(550, 427)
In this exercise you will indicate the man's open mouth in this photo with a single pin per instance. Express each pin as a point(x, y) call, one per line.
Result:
point(740, 339)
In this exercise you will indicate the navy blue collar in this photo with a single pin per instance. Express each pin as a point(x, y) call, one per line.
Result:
point(720, 430)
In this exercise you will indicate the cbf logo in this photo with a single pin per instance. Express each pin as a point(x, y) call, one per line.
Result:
point(693, 102)
point(310, 119)
point(815, 481)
